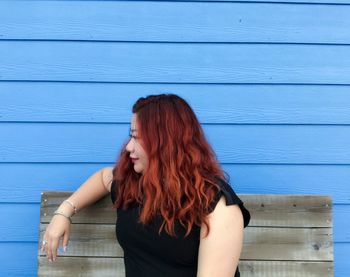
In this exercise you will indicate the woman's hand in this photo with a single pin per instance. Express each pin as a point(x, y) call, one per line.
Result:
point(97, 186)
point(58, 228)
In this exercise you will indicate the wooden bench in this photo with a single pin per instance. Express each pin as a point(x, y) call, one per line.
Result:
point(288, 235)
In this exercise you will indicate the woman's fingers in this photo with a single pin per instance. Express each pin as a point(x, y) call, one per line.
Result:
point(48, 250)
point(65, 241)
point(43, 245)
point(52, 251)
point(49, 246)
point(59, 228)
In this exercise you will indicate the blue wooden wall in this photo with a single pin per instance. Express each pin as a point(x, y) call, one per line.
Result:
point(269, 81)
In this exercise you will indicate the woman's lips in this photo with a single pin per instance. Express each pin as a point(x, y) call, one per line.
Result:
point(134, 160)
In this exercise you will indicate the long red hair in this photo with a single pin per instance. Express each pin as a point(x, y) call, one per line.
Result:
point(180, 180)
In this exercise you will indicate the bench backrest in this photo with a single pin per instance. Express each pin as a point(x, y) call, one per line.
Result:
point(288, 235)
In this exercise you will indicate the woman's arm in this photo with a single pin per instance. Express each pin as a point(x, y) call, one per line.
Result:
point(219, 252)
point(94, 188)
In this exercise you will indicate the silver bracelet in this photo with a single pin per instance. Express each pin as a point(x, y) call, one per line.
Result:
point(70, 203)
point(66, 216)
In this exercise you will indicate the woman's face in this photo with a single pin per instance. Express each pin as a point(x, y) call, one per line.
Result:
point(136, 152)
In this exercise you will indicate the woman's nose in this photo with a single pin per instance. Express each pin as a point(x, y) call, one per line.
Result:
point(129, 147)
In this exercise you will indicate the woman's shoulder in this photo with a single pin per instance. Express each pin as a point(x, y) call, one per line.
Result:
point(107, 177)
point(231, 198)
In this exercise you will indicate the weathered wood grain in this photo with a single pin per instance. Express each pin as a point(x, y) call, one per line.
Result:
point(90, 240)
point(260, 243)
point(84, 267)
point(308, 244)
point(289, 210)
point(76, 266)
point(289, 235)
point(285, 269)
point(267, 210)
point(92, 214)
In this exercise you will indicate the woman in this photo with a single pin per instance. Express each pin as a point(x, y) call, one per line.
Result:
point(176, 214)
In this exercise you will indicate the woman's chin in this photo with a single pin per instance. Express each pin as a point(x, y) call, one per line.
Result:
point(137, 169)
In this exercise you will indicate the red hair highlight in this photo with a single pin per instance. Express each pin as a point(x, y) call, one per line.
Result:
point(180, 181)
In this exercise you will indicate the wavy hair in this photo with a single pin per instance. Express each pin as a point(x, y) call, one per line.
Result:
point(180, 180)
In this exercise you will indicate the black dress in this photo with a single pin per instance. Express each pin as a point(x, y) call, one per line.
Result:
point(148, 254)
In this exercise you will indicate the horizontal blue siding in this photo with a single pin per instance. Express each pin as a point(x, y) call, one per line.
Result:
point(175, 21)
point(249, 104)
point(174, 63)
point(342, 261)
point(19, 259)
point(265, 144)
point(245, 178)
point(21, 222)
point(269, 81)
point(307, 2)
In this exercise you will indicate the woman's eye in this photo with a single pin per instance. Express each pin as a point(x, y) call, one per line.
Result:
point(131, 135)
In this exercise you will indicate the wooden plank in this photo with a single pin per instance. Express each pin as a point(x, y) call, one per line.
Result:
point(28, 265)
point(174, 62)
point(289, 210)
point(309, 244)
point(260, 243)
point(75, 266)
point(175, 21)
point(89, 240)
point(20, 222)
point(285, 269)
point(232, 104)
point(245, 178)
point(92, 214)
point(249, 144)
point(282, 245)
point(115, 267)
point(267, 210)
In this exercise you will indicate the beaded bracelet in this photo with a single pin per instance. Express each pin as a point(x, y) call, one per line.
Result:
point(66, 216)
point(70, 203)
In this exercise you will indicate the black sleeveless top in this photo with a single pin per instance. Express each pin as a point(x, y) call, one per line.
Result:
point(148, 254)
